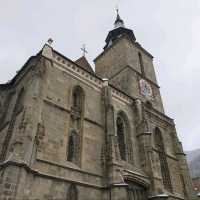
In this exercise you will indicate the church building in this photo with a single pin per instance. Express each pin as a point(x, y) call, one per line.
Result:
point(68, 132)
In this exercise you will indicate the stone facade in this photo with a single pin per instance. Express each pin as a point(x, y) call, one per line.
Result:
point(70, 134)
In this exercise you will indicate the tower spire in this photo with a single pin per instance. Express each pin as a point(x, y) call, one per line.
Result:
point(118, 22)
point(118, 31)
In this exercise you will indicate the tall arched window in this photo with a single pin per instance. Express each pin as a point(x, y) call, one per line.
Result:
point(141, 63)
point(77, 98)
point(72, 193)
point(124, 138)
point(121, 137)
point(75, 125)
point(158, 140)
point(72, 147)
point(163, 160)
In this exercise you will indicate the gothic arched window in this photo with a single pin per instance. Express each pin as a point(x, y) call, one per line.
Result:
point(77, 98)
point(75, 125)
point(73, 143)
point(124, 138)
point(141, 64)
point(72, 193)
point(71, 149)
point(121, 137)
point(163, 160)
point(158, 140)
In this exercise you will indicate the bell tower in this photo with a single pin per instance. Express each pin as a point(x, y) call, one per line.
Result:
point(128, 66)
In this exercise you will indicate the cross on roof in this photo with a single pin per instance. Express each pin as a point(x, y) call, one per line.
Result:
point(84, 49)
point(117, 9)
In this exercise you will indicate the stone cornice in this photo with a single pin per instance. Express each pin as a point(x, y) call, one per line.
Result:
point(56, 105)
point(93, 122)
point(159, 196)
point(67, 65)
point(143, 77)
point(138, 73)
point(94, 81)
point(45, 175)
point(167, 154)
point(64, 59)
point(50, 102)
point(161, 117)
point(68, 167)
point(144, 134)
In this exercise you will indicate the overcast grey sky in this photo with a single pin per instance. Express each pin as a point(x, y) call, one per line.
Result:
point(168, 29)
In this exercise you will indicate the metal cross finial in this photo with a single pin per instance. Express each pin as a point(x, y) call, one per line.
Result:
point(117, 9)
point(84, 49)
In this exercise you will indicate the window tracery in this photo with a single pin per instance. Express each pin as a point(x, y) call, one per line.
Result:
point(77, 99)
point(75, 126)
point(121, 138)
point(124, 138)
point(73, 143)
point(163, 160)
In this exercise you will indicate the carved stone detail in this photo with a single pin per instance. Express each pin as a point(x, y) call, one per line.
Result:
point(40, 136)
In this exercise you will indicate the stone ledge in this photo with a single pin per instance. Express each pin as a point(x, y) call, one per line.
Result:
point(67, 167)
point(45, 175)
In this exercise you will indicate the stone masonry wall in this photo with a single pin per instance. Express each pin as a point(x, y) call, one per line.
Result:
point(38, 166)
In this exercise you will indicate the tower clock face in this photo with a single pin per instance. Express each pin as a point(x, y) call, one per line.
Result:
point(145, 88)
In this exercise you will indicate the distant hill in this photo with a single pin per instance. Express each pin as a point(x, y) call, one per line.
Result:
point(193, 159)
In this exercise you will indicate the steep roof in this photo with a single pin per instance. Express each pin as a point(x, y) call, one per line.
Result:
point(118, 31)
point(82, 61)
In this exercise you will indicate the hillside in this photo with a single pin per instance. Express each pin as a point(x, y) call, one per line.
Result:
point(193, 158)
